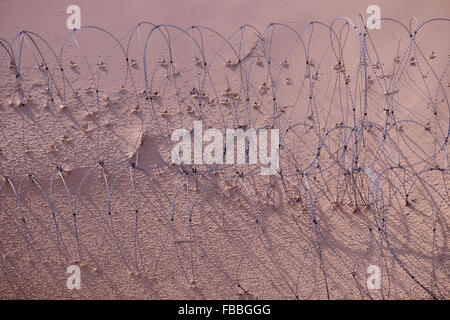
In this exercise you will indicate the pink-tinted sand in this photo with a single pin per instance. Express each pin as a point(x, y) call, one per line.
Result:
point(155, 233)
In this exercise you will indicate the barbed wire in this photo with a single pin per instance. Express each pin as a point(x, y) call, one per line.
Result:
point(364, 128)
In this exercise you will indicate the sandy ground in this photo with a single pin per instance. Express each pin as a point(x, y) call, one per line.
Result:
point(85, 125)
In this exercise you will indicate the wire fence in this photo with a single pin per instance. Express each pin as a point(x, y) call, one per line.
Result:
point(364, 123)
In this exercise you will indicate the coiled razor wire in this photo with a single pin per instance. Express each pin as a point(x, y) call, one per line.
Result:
point(85, 155)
